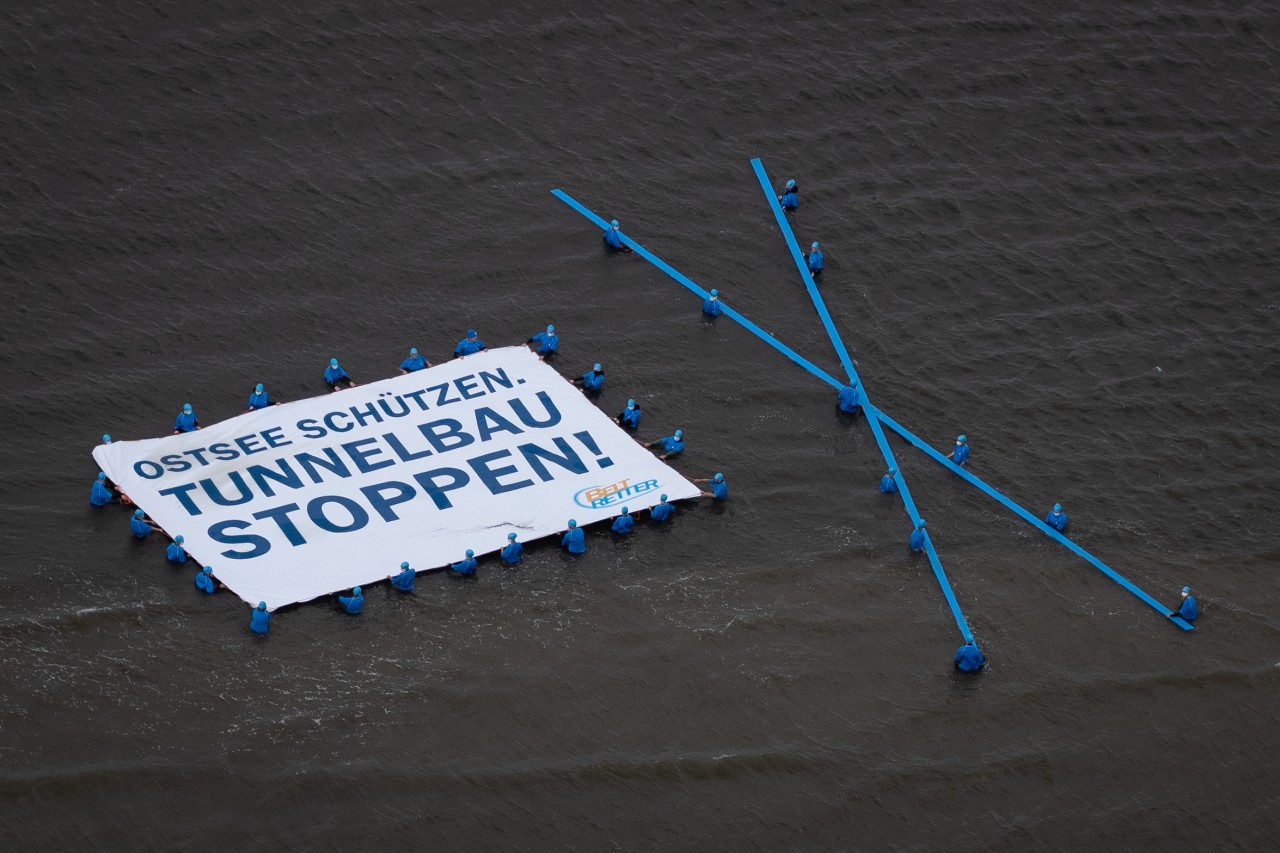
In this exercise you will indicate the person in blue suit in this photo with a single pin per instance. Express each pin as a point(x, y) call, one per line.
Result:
point(613, 239)
point(624, 523)
point(513, 551)
point(1057, 519)
point(404, 580)
point(186, 420)
point(663, 510)
point(106, 438)
point(414, 362)
point(1189, 610)
point(719, 488)
point(259, 621)
point(259, 399)
point(888, 484)
point(790, 198)
point(205, 582)
point(335, 377)
point(465, 566)
point(470, 345)
point(352, 603)
point(591, 382)
point(629, 417)
point(139, 525)
point(100, 493)
point(711, 305)
point(175, 553)
point(969, 658)
point(916, 541)
point(961, 454)
point(548, 342)
point(671, 445)
point(815, 262)
point(574, 540)
point(849, 399)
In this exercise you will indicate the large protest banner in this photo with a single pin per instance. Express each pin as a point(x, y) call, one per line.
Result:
point(295, 501)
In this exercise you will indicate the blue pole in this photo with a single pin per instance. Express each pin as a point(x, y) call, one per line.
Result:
point(876, 429)
point(1032, 520)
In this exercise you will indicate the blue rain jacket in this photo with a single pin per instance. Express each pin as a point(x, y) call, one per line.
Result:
point(887, 485)
point(849, 399)
point(467, 346)
point(630, 418)
point(672, 445)
point(139, 528)
point(592, 381)
point(335, 374)
point(790, 201)
point(512, 552)
point(259, 401)
point(623, 524)
point(205, 583)
point(185, 423)
point(575, 540)
point(546, 343)
point(99, 494)
point(353, 604)
point(465, 567)
point(1189, 610)
point(175, 553)
point(719, 491)
point(711, 307)
point(403, 581)
point(258, 621)
point(916, 542)
point(961, 454)
point(814, 259)
point(969, 659)
point(1058, 522)
point(413, 362)
point(662, 511)
point(612, 239)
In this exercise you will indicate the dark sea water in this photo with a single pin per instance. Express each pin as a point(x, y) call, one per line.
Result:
point(1053, 227)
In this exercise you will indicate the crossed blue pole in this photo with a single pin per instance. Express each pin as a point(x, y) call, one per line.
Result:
point(874, 416)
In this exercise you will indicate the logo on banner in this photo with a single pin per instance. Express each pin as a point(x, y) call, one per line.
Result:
point(598, 497)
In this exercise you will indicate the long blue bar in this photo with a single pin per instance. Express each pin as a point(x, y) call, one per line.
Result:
point(1032, 520)
point(876, 429)
point(820, 306)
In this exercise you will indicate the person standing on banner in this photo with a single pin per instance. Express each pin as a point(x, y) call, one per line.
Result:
point(719, 488)
point(815, 262)
point(511, 554)
point(186, 420)
point(259, 621)
point(624, 523)
point(671, 445)
point(352, 603)
point(613, 239)
point(574, 540)
point(100, 493)
point(629, 418)
point(711, 305)
point(335, 377)
point(175, 553)
point(205, 582)
point(790, 197)
point(592, 382)
point(259, 399)
point(470, 345)
point(961, 454)
point(466, 566)
point(414, 362)
point(888, 484)
point(404, 580)
point(548, 342)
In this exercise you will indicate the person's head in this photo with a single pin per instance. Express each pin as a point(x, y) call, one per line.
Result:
point(631, 404)
point(626, 511)
point(470, 553)
point(413, 350)
point(679, 434)
point(106, 438)
point(471, 334)
point(511, 537)
point(596, 367)
point(404, 565)
point(186, 408)
point(333, 362)
point(791, 183)
point(102, 475)
point(355, 591)
point(1057, 507)
point(137, 513)
point(920, 524)
point(208, 570)
point(715, 294)
point(551, 330)
point(262, 605)
point(1186, 591)
point(662, 498)
point(814, 245)
point(178, 540)
point(258, 389)
point(719, 478)
point(613, 223)
point(572, 524)
point(893, 472)
point(960, 439)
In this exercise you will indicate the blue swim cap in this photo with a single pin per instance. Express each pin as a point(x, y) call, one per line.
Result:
point(893, 471)
point(679, 433)
point(404, 565)
point(551, 330)
point(208, 570)
point(921, 524)
point(631, 404)
point(662, 497)
point(815, 245)
point(511, 536)
point(714, 293)
point(572, 524)
point(1186, 589)
point(355, 590)
point(1057, 507)
point(257, 389)
point(596, 366)
point(137, 513)
point(471, 333)
point(413, 350)
point(106, 439)
point(102, 475)
point(470, 553)
point(178, 539)
point(961, 439)
point(625, 511)
point(791, 183)
point(186, 408)
point(614, 223)
point(333, 362)
point(262, 605)
point(719, 478)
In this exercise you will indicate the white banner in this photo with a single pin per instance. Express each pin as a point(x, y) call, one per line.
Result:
point(295, 501)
